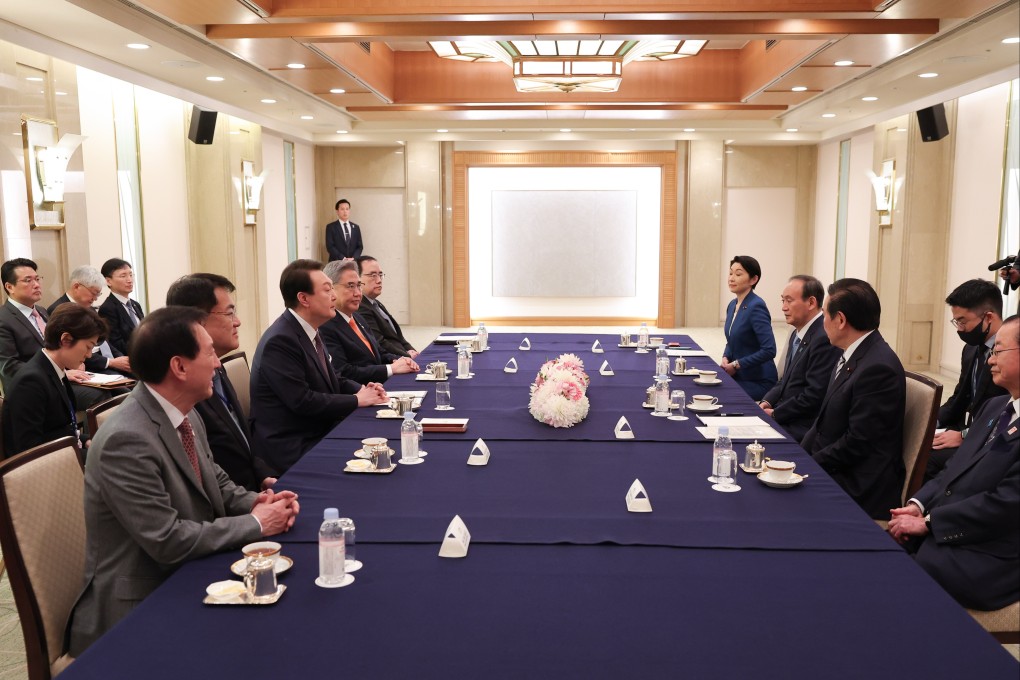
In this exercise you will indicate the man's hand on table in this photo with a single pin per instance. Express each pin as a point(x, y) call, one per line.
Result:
point(276, 511)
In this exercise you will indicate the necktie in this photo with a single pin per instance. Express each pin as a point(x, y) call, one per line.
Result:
point(384, 315)
point(357, 331)
point(980, 358)
point(1003, 423)
point(131, 313)
point(792, 352)
point(839, 367)
point(321, 352)
point(39, 322)
point(221, 392)
point(347, 232)
point(188, 440)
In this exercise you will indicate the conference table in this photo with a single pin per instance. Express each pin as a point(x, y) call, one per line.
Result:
point(560, 580)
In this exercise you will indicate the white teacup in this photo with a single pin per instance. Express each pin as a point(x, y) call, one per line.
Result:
point(780, 470)
point(270, 549)
point(655, 341)
point(707, 376)
point(704, 400)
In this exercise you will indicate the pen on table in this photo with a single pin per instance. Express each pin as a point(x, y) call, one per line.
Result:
point(723, 415)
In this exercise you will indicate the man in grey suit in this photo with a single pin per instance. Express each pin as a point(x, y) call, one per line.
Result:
point(378, 319)
point(154, 498)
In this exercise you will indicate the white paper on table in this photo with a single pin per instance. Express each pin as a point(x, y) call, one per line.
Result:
point(456, 539)
point(623, 429)
point(741, 427)
point(511, 366)
point(525, 345)
point(606, 368)
point(103, 378)
point(430, 378)
point(686, 352)
point(637, 498)
point(407, 394)
point(479, 454)
point(596, 348)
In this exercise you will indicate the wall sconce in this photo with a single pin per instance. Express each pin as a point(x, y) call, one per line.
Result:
point(46, 162)
point(51, 163)
point(884, 186)
point(251, 190)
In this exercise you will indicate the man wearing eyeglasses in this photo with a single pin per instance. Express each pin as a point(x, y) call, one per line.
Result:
point(964, 526)
point(378, 319)
point(976, 306)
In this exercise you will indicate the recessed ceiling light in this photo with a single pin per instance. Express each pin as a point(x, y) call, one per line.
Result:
point(689, 130)
point(869, 99)
point(798, 88)
point(268, 101)
point(214, 79)
point(442, 130)
point(307, 117)
point(1011, 41)
point(791, 129)
point(34, 79)
point(60, 94)
point(400, 141)
point(565, 130)
point(828, 115)
point(928, 75)
point(138, 46)
point(342, 132)
point(729, 150)
point(337, 90)
point(295, 65)
point(844, 62)
point(901, 129)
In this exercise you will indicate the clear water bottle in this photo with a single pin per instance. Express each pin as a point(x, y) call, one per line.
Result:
point(483, 335)
point(351, 563)
point(661, 361)
point(661, 396)
point(463, 363)
point(642, 338)
point(331, 548)
point(726, 467)
point(408, 438)
point(722, 443)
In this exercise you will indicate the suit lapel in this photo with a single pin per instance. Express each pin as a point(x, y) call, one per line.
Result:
point(376, 354)
point(985, 448)
point(171, 440)
point(23, 320)
point(313, 356)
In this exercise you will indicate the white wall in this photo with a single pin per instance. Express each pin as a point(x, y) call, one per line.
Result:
point(826, 195)
point(273, 224)
point(859, 206)
point(304, 187)
point(95, 97)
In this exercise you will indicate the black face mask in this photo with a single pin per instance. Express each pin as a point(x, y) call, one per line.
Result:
point(975, 336)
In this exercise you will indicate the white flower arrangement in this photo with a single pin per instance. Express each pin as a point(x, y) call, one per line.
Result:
point(558, 394)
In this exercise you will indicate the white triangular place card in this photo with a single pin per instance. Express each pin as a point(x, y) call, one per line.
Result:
point(525, 345)
point(456, 539)
point(479, 454)
point(596, 348)
point(623, 429)
point(637, 498)
point(511, 366)
point(606, 368)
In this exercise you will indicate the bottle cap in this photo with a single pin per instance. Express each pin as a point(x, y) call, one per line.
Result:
point(408, 415)
point(724, 431)
point(330, 513)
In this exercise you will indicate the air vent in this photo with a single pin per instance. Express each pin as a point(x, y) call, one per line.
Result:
point(769, 44)
point(367, 46)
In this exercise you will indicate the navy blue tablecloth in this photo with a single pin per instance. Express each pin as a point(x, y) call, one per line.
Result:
point(561, 612)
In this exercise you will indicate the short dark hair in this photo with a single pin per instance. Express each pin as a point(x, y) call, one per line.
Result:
point(362, 260)
point(810, 287)
point(858, 301)
point(750, 265)
point(162, 335)
point(7, 274)
point(296, 278)
point(342, 200)
point(978, 296)
point(112, 265)
point(197, 290)
point(77, 321)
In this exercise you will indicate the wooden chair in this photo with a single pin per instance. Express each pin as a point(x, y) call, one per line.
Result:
point(42, 532)
point(1003, 624)
point(236, 366)
point(96, 415)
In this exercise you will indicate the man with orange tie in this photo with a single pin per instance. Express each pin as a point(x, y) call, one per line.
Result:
point(355, 351)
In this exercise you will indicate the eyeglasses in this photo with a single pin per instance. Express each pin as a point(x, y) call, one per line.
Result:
point(375, 275)
point(961, 324)
point(232, 314)
point(353, 286)
point(997, 352)
point(29, 280)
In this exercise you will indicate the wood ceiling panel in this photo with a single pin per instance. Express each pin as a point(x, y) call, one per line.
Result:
point(200, 12)
point(760, 65)
point(274, 54)
point(375, 69)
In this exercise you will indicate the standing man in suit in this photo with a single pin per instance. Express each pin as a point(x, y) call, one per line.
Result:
point(858, 435)
point(372, 312)
point(976, 306)
point(343, 237)
point(795, 400)
point(122, 313)
point(964, 525)
point(86, 284)
point(23, 324)
point(354, 351)
point(154, 497)
point(296, 398)
point(225, 425)
point(40, 404)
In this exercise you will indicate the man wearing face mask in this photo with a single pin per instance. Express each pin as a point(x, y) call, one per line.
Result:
point(976, 306)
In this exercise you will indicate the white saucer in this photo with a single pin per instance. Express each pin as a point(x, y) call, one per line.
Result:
point(351, 566)
point(707, 409)
point(360, 453)
point(794, 480)
point(408, 461)
point(708, 382)
point(688, 372)
point(359, 464)
point(348, 580)
point(283, 563)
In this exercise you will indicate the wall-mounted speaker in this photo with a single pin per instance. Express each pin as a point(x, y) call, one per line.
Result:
point(932, 123)
point(203, 125)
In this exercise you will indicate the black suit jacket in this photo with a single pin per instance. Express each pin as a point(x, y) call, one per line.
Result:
point(337, 247)
point(96, 363)
point(19, 340)
point(858, 435)
point(973, 549)
point(965, 400)
point(798, 395)
point(391, 339)
point(351, 359)
point(294, 403)
point(38, 407)
point(117, 318)
point(229, 439)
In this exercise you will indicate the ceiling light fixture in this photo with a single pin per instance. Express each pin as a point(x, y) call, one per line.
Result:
point(342, 132)
point(565, 130)
point(442, 130)
point(791, 129)
point(928, 75)
point(798, 88)
point(844, 62)
point(268, 101)
point(566, 65)
point(214, 79)
point(307, 117)
point(337, 90)
point(60, 94)
point(1011, 41)
point(828, 115)
point(689, 130)
point(295, 65)
point(34, 79)
point(869, 99)
point(138, 46)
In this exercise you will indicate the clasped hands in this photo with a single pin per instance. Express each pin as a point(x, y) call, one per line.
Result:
point(728, 367)
point(276, 511)
point(404, 365)
point(906, 522)
point(372, 394)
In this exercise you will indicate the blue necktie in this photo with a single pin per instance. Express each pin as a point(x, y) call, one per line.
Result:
point(791, 353)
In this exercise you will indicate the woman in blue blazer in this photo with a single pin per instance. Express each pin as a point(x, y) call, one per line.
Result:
point(750, 345)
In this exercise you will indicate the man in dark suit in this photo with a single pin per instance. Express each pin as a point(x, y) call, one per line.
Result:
point(22, 325)
point(795, 400)
point(858, 435)
point(976, 306)
point(154, 497)
point(40, 404)
point(354, 351)
point(86, 284)
point(965, 524)
point(343, 237)
point(374, 315)
point(225, 424)
point(296, 398)
point(122, 313)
